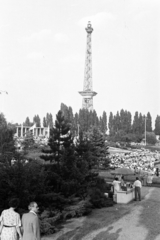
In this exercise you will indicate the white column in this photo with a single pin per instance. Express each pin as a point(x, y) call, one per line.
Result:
point(22, 130)
point(25, 130)
point(48, 131)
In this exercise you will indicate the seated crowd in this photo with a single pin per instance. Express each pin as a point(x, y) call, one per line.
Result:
point(138, 161)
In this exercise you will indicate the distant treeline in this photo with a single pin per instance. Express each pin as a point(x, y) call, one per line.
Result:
point(121, 122)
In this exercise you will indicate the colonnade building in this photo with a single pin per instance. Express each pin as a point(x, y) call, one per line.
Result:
point(21, 131)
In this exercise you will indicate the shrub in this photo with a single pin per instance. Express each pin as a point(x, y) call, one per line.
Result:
point(46, 228)
point(82, 208)
point(98, 199)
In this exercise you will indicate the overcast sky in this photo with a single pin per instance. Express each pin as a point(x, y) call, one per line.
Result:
point(42, 56)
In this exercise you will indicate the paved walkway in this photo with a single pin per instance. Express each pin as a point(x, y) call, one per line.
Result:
point(141, 223)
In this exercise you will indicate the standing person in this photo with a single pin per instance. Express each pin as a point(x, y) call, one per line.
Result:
point(30, 223)
point(10, 222)
point(116, 185)
point(123, 184)
point(149, 179)
point(157, 172)
point(142, 177)
point(138, 185)
point(116, 188)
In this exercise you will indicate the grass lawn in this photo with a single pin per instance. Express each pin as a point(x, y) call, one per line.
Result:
point(34, 154)
point(101, 218)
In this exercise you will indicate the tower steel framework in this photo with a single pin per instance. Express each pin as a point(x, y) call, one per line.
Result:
point(88, 93)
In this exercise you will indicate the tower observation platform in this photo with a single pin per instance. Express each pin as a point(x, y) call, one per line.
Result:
point(88, 93)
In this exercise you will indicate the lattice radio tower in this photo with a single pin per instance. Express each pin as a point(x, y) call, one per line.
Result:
point(88, 92)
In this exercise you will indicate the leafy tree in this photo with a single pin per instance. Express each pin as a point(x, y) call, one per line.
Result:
point(149, 123)
point(138, 124)
point(3, 122)
point(25, 181)
point(37, 120)
point(83, 119)
point(28, 142)
point(76, 124)
point(44, 122)
point(111, 124)
point(151, 138)
point(123, 121)
point(7, 143)
point(117, 122)
point(103, 123)
point(65, 111)
point(84, 151)
point(49, 120)
point(157, 125)
point(68, 115)
point(27, 122)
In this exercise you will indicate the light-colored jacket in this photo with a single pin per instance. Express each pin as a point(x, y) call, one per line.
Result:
point(30, 227)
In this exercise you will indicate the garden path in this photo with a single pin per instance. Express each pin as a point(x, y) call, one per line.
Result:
point(141, 223)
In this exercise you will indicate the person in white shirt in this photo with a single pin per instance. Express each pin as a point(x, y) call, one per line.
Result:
point(138, 185)
point(116, 185)
point(149, 179)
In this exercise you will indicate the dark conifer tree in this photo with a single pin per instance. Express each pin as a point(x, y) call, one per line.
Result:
point(99, 147)
point(60, 138)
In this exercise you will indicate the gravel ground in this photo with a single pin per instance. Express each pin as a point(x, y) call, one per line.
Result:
point(141, 222)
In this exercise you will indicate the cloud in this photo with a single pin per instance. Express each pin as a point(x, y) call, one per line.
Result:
point(35, 55)
point(36, 36)
point(97, 19)
point(61, 38)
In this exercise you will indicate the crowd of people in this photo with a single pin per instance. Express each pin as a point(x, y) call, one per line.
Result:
point(14, 228)
point(138, 161)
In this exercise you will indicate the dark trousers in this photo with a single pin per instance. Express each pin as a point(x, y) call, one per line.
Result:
point(137, 193)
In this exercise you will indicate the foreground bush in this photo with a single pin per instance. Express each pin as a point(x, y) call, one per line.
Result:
point(80, 209)
point(98, 199)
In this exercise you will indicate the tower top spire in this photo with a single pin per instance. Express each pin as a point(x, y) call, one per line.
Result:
point(88, 92)
point(89, 28)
